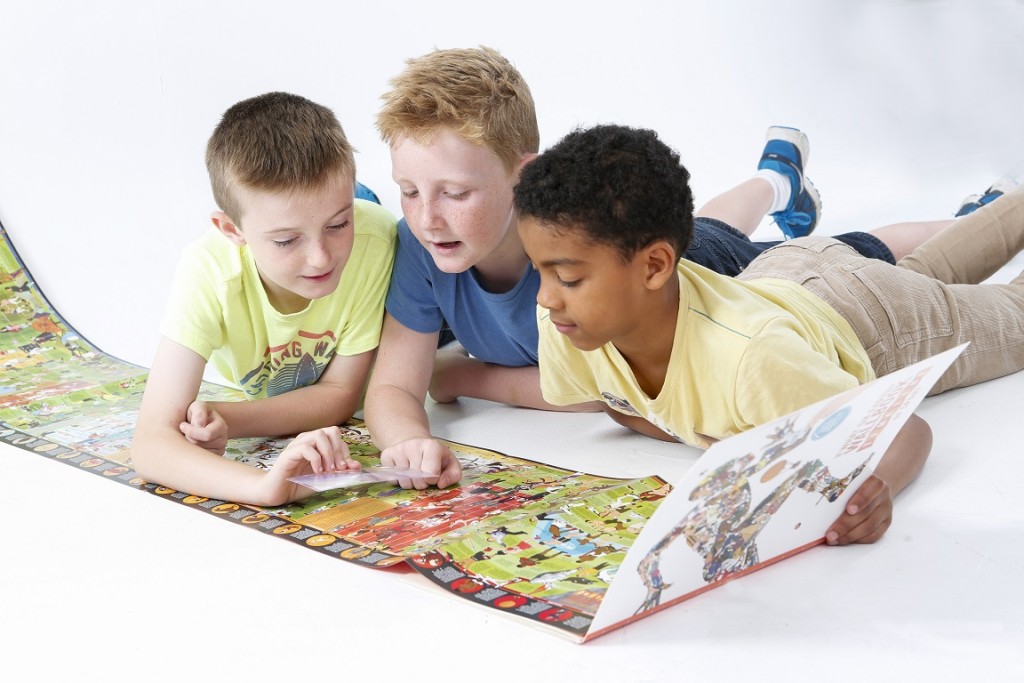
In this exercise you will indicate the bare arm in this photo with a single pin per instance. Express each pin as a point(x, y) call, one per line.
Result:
point(868, 514)
point(394, 403)
point(456, 374)
point(331, 401)
point(639, 424)
point(162, 454)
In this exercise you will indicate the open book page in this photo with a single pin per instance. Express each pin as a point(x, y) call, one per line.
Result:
point(763, 495)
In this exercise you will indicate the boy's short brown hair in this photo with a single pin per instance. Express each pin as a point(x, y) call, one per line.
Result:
point(275, 142)
point(474, 92)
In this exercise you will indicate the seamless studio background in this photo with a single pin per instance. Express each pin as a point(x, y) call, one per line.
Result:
point(105, 109)
point(107, 106)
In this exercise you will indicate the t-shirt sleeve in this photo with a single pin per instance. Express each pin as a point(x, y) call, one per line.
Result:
point(193, 316)
point(372, 265)
point(411, 297)
point(780, 373)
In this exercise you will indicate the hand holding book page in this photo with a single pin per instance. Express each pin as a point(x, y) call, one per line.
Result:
point(763, 495)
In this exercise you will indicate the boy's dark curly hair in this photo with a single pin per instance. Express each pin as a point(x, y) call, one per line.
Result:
point(621, 186)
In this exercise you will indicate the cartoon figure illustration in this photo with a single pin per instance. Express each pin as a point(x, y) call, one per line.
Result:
point(723, 528)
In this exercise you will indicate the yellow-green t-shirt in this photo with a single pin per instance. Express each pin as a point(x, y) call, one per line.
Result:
point(745, 352)
point(219, 309)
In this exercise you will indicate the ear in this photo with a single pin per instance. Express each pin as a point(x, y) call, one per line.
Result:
point(523, 161)
point(227, 227)
point(659, 261)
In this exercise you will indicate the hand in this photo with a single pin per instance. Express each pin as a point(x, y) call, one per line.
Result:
point(867, 515)
point(205, 427)
point(426, 455)
point(315, 452)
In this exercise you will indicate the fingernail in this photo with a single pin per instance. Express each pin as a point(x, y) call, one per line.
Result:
point(853, 509)
point(831, 537)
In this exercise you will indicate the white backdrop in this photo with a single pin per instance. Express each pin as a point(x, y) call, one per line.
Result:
point(107, 105)
point(105, 108)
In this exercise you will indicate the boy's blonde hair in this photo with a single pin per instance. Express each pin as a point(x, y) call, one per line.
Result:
point(275, 142)
point(474, 92)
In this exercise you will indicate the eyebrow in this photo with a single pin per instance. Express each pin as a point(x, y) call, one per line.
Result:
point(564, 261)
point(288, 228)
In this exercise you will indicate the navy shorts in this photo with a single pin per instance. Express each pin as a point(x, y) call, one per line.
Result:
point(726, 250)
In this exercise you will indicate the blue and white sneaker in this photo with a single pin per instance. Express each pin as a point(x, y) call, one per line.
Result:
point(995, 191)
point(786, 152)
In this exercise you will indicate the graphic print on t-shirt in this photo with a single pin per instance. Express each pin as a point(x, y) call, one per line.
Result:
point(298, 363)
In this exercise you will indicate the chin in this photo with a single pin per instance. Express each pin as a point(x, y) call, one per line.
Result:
point(585, 345)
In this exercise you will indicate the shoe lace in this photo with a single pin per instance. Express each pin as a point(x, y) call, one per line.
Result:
point(798, 218)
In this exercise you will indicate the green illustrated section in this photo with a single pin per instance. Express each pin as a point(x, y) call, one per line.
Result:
point(514, 534)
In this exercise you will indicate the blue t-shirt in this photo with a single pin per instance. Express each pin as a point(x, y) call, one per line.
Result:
point(494, 328)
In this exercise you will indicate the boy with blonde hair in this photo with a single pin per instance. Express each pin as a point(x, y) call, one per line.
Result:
point(461, 125)
point(675, 349)
point(284, 297)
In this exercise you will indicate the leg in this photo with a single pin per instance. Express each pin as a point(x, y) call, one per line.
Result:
point(779, 188)
point(903, 238)
point(900, 316)
point(743, 207)
point(974, 246)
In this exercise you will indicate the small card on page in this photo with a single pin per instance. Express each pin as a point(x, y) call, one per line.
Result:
point(326, 481)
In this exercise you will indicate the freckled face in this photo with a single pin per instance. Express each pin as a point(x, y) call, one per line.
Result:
point(300, 241)
point(457, 200)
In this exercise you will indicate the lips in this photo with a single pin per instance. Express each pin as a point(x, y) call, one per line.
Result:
point(445, 246)
point(320, 278)
point(564, 328)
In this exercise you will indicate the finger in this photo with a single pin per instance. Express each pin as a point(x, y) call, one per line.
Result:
point(340, 453)
point(869, 530)
point(871, 489)
point(394, 457)
point(451, 474)
point(854, 528)
point(198, 414)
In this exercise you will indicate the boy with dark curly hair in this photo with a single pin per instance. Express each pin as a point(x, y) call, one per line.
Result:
point(676, 350)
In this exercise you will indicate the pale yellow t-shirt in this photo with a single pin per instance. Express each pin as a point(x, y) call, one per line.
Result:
point(745, 353)
point(219, 309)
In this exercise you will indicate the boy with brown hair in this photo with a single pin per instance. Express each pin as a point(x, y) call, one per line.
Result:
point(461, 124)
point(285, 297)
point(674, 349)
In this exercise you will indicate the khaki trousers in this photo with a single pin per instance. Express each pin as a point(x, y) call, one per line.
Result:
point(928, 302)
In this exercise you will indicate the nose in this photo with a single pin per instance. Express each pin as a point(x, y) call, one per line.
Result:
point(428, 216)
point(547, 295)
point(317, 253)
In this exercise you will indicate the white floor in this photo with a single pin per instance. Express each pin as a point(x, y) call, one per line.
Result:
point(103, 582)
point(105, 108)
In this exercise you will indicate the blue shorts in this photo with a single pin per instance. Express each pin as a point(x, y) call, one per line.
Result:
point(726, 250)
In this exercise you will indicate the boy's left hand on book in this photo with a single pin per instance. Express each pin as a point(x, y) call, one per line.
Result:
point(205, 427)
point(867, 515)
point(316, 452)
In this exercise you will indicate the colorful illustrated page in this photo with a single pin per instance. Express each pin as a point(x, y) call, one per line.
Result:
point(544, 540)
point(766, 494)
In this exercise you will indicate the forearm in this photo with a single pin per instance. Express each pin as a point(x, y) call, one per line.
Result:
point(638, 424)
point(906, 455)
point(299, 410)
point(393, 415)
point(161, 455)
point(513, 386)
